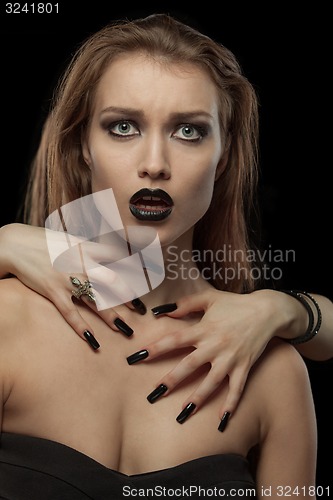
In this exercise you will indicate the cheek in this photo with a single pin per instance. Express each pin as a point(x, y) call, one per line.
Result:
point(100, 179)
point(202, 184)
point(101, 163)
point(197, 193)
point(204, 173)
point(110, 168)
point(103, 173)
point(104, 177)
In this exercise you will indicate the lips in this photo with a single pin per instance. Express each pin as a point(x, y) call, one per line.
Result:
point(151, 204)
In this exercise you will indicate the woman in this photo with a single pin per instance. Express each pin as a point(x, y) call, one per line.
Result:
point(119, 127)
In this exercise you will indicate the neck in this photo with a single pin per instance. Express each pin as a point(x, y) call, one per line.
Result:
point(182, 276)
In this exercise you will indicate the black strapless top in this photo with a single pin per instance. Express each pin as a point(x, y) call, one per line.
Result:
point(39, 469)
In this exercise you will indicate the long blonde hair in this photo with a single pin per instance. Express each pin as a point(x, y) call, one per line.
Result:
point(59, 173)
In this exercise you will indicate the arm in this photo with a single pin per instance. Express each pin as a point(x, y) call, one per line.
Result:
point(24, 253)
point(233, 333)
point(320, 347)
point(231, 336)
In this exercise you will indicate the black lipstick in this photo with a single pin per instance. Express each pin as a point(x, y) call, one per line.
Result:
point(151, 204)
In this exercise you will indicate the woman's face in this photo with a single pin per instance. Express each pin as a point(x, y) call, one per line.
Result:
point(155, 139)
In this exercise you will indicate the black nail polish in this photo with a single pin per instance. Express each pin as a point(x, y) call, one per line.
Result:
point(123, 327)
point(164, 308)
point(156, 393)
point(139, 306)
point(91, 340)
point(224, 421)
point(183, 415)
point(137, 356)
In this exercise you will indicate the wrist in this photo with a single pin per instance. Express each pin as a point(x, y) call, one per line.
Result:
point(314, 315)
point(288, 317)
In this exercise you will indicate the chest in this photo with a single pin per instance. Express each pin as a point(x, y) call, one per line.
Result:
point(97, 403)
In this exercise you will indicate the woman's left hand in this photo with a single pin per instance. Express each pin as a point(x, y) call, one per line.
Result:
point(231, 335)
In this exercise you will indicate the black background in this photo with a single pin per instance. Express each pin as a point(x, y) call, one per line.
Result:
point(283, 52)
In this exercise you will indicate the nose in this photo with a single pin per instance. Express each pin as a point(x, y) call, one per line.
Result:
point(155, 159)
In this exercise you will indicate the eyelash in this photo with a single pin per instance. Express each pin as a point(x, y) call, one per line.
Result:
point(117, 123)
point(202, 130)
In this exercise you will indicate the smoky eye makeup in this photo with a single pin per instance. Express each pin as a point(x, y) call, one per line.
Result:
point(120, 128)
point(127, 123)
point(191, 132)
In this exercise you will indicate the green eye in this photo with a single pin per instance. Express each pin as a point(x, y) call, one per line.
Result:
point(123, 128)
point(187, 132)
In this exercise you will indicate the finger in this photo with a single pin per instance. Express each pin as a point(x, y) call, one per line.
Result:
point(85, 292)
point(69, 311)
point(170, 342)
point(75, 319)
point(212, 381)
point(84, 330)
point(182, 370)
point(109, 275)
point(185, 305)
point(137, 305)
point(111, 288)
point(237, 381)
point(109, 316)
point(61, 297)
point(114, 282)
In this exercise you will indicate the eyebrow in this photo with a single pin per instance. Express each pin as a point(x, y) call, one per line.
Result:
point(181, 116)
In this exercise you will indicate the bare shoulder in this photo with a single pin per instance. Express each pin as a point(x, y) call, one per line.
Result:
point(12, 300)
point(11, 287)
point(286, 415)
point(23, 313)
point(14, 307)
point(281, 378)
point(283, 358)
point(17, 304)
point(284, 368)
point(12, 293)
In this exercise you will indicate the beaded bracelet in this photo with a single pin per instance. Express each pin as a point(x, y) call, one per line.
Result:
point(312, 329)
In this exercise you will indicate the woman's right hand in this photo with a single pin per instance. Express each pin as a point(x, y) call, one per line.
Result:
point(24, 253)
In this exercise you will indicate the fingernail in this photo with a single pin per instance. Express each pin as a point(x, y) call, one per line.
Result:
point(224, 421)
point(91, 340)
point(159, 391)
point(123, 327)
point(183, 415)
point(139, 306)
point(137, 356)
point(164, 308)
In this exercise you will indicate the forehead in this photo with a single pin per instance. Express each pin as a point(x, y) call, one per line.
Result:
point(139, 80)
